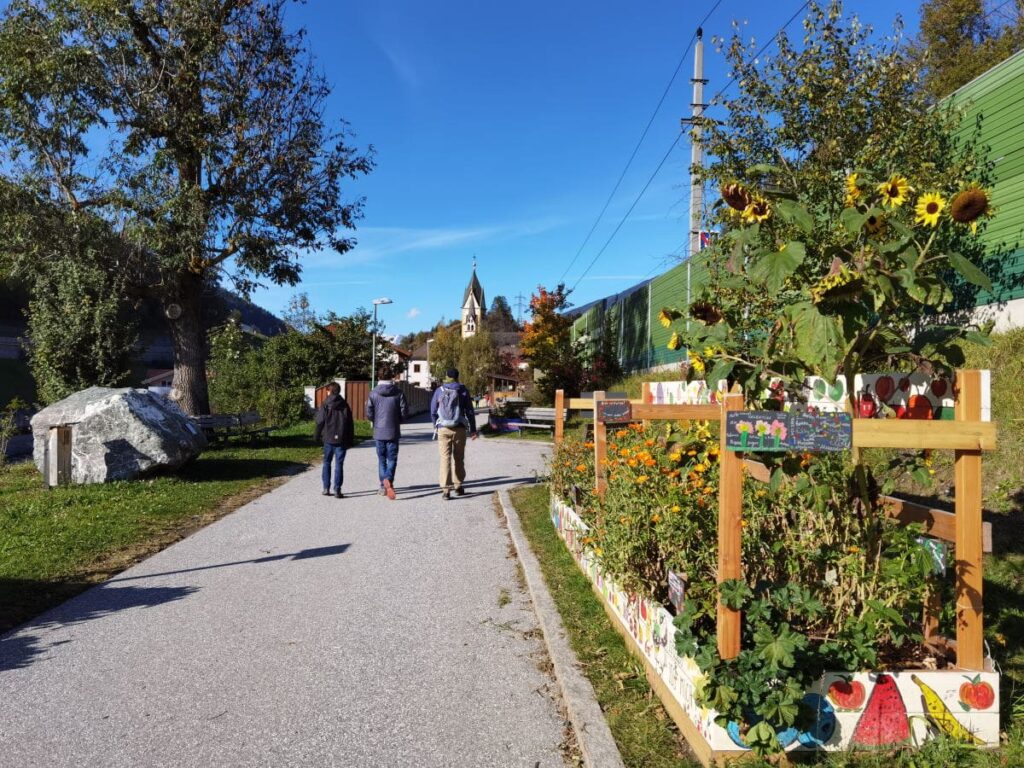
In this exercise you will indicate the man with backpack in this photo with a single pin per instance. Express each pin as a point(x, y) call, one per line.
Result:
point(451, 411)
point(335, 427)
point(386, 409)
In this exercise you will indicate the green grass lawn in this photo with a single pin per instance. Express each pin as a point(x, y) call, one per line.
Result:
point(55, 543)
point(641, 727)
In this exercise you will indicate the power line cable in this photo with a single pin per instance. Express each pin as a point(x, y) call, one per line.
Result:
point(629, 162)
point(676, 142)
point(633, 205)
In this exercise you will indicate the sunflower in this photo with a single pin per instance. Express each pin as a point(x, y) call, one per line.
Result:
point(706, 312)
point(666, 316)
point(675, 342)
point(928, 208)
point(757, 211)
point(894, 191)
point(853, 190)
point(970, 205)
point(736, 196)
point(874, 223)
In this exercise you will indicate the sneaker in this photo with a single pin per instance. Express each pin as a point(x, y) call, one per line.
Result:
point(389, 489)
point(339, 494)
point(327, 491)
point(460, 491)
point(446, 495)
point(380, 492)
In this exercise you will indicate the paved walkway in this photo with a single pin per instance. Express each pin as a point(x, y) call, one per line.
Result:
point(302, 630)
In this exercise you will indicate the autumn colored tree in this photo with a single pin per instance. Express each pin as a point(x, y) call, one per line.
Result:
point(547, 343)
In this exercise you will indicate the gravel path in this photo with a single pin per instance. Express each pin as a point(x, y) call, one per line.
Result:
point(302, 630)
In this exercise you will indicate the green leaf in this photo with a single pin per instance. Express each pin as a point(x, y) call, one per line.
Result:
point(794, 213)
point(852, 220)
point(969, 271)
point(819, 339)
point(920, 474)
point(778, 477)
point(721, 370)
point(761, 739)
point(773, 267)
point(979, 338)
point(776, 647)
point(761, 168)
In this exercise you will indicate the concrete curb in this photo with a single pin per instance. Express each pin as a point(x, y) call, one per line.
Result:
point(592, 733)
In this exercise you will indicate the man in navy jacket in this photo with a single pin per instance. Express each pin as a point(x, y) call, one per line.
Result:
point(386, 409)
point(451, 411)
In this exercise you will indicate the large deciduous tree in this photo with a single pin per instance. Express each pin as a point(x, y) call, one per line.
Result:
point(196, 128)
point(960, 39)
point(547, 343)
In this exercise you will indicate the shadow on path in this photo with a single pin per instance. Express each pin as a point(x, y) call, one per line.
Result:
point(304, 554)
point(21, 648)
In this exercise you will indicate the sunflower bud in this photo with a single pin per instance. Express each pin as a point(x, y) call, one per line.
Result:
point(970, 205)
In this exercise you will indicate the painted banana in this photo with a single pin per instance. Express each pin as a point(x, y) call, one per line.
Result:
point(941, 717)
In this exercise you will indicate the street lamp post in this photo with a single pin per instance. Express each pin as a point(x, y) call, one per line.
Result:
point(373, 352)
point(430, 376)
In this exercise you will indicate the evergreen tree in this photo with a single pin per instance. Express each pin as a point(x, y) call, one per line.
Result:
point(499, 318)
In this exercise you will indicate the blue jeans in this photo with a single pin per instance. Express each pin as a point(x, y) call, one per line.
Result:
point(387, 460)
point(337, 452)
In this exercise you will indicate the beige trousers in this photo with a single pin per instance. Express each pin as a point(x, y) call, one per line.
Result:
point(452, 443)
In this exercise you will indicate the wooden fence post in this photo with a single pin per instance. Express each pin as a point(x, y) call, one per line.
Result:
point(970, 650)
point(730, 528)
point(559, 415)
point(58, 456)
point(600, 447)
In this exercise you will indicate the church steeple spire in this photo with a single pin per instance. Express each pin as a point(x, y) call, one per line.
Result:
point(473, 305)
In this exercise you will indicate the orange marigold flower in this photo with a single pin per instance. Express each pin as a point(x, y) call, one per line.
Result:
point(632, 462)
point(621, 433)
point(853, 550)
point(623, 519)
point(649, 443)
point(590, 446)
point(649, 462)
point(624, 452)
point(655, 518)
point(691, 452)
point(581, 467)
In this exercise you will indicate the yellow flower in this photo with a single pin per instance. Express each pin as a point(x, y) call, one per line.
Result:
point(642, 479)
point(666, 316)
point(760, 493)
point(853, 550)
point(675, 342)
point(677, 456)
point(852, 186)
point(697, 365)
point(632, 462)
point(743, 523)
point(623, 519)
point(655, 518)
point(624, 452)
point(894, 191)
point(676, 508)
point(598, 551)
point(699, 468)
point(929, 206)
point(691, 452)
point(758, 210)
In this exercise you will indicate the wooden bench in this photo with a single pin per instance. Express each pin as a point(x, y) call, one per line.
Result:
point(219, 427)
point(535, 418)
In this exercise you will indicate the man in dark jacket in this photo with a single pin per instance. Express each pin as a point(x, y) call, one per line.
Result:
point(386, 409)
point(451, 411)
point(334, 426)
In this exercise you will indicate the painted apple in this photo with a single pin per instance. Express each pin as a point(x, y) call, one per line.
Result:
point(904, 384)
point(975, 694)
point(885, 388)
point(920, 407)
point(847, 694)
point(939, 387)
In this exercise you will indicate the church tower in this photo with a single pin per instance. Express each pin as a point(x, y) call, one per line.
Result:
point(473, 306)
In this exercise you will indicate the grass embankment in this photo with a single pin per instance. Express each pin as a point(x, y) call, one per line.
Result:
point(642, 729)
point(56, 543)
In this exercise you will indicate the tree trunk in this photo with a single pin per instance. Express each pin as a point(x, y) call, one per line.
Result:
point(183, 307)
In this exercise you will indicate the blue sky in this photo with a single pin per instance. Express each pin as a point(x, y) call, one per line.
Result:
point(500, 129)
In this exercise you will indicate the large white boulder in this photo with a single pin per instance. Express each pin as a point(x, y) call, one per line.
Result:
point(119, 434)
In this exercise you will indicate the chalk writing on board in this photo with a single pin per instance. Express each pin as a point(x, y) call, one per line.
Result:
point(614, 411)
point(779, 431)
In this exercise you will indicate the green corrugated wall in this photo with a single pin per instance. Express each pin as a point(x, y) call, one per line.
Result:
point(994, 105)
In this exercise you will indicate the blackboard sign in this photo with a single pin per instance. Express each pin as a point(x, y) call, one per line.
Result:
point(614, 411)
point(779, 432)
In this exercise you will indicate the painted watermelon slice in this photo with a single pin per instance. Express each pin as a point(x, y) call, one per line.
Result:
point(884, 721)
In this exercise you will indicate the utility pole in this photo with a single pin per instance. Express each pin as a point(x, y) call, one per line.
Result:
point(696, 159)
